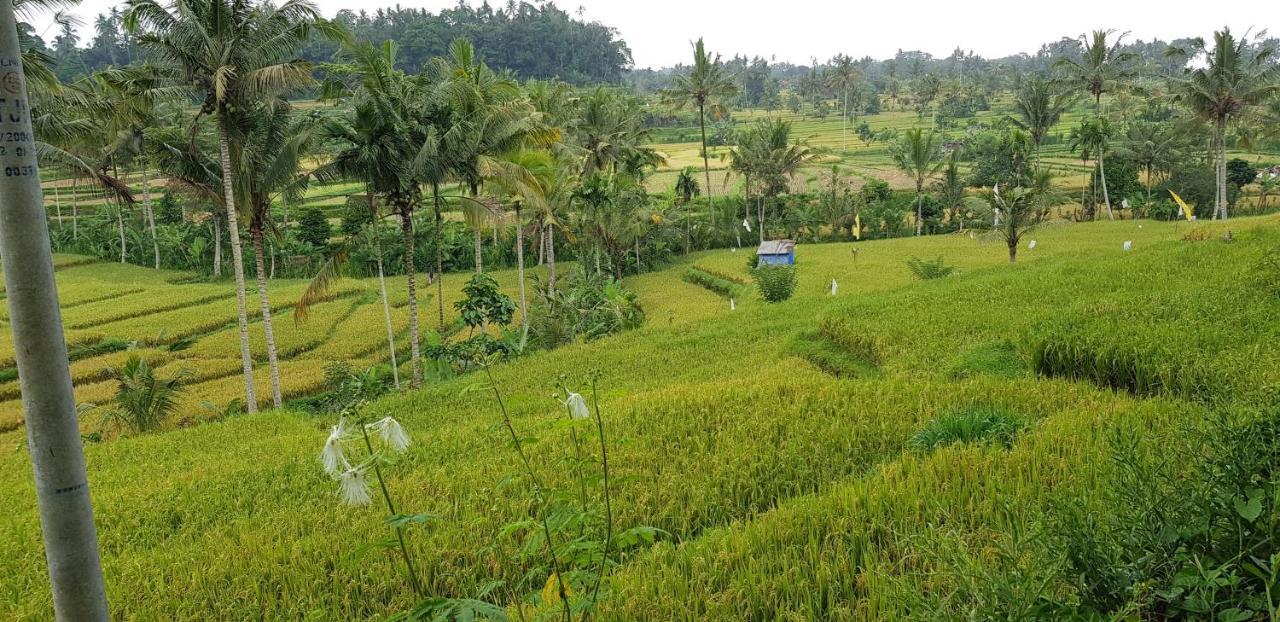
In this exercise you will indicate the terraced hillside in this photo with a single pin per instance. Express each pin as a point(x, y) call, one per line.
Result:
point(114, 311)
point(778, 448)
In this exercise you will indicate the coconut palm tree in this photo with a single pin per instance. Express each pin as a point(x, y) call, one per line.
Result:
point(270, 170)
point(703, 86)
point(842, 76)
point(523, 177)
point(767, 152)
point(1093, 139)
point(919, 155)
point(1038, 106)
point(609, 129)
point(136, 95)
point(1106, 66)
point(272, 145)
point(1153, 146)
point(396, 109)
point(486, 118)
point(368, 145)
point(233, 55)
point(1236, 75)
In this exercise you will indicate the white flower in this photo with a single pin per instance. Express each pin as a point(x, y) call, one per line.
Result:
point(391, 432)
point(733, 304)
point(577, 407)
point(354, 487)
point(834, 287)
point(1128, 245)
point(331, 456)
point(1031, 244)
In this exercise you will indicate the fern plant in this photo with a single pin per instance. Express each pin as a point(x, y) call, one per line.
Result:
point(143, 399)
point(929, 269)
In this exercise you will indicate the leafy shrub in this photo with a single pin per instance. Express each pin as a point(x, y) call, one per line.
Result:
point(167, 210)
point(776, 283)
point(584, 306)
point(484, 304)
point(975, 425)
point(355, 214)
point(927, 270)
point(313, 228)
point(1190, 527)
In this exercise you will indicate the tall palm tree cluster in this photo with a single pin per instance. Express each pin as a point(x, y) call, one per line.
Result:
point(209, 114)
point(1231, 85)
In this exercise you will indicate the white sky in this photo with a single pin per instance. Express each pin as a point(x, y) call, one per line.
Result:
point(659, 31)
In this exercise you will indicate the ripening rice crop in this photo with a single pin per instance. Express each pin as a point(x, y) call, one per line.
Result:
point(771, 444)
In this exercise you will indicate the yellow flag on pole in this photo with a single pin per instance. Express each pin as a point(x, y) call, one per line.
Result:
point(1187, 212)
point(857, 226)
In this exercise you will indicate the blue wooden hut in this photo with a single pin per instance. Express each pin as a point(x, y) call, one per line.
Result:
point(776, 253)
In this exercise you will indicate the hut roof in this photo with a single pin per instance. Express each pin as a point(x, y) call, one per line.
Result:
point(776, 247)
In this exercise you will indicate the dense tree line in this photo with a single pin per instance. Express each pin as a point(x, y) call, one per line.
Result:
point(531, 40)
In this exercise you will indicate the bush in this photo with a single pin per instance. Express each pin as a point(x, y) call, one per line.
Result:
point(1196, 185)
point(313, 228)
point(1190, 529)
point(167, 210)
point(928, 270)
point(776, 283)
point(584, 306)
point(355, 215)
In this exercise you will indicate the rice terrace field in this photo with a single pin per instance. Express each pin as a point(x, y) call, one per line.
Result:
point(478, 315)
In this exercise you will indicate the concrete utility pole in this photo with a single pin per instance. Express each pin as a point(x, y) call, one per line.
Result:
point(53, 434)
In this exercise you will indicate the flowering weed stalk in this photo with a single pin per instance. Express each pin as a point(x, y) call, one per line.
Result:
point(353, 481)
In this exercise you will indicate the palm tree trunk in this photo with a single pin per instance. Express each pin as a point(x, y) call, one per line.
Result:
point(551, 259)
point(237, 261)
point(1106, 194)
point(57, 204)
point(273, 365)
point(706, 164)
point(53, 433)
point(638, 255)
point(386, 312)
point(524, 303)
point(479, 256)
point(217, 247)
point(415, 354)
point(151, 216)
point(75, 208)
point(1220, 199)
point(124, 251)
point(382, 290)
point(542, 243)
point(439, 235)
point(760, 216)
point(919, 208)
point(844, 119)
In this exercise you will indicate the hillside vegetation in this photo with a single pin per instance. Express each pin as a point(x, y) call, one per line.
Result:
point(777, 448)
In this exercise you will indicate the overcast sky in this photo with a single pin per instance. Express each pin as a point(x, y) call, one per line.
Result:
point(659, 31)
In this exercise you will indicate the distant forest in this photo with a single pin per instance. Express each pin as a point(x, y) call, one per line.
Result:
point(530, 40)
